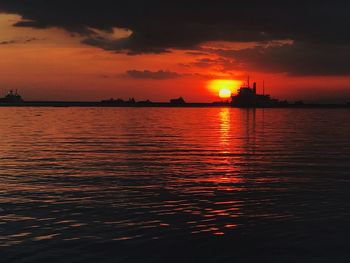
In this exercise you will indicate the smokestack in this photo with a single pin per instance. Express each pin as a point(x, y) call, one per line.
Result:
point(254, 87)
point(264, 87)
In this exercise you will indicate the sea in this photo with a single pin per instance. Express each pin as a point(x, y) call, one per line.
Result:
point(174, 185)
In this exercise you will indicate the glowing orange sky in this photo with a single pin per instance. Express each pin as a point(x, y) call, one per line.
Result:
point(56, 66)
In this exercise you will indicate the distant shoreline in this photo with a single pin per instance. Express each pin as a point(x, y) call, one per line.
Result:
point(157, 105)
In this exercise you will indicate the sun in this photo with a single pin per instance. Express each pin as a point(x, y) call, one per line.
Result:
point(225, 93)
point(223, 88)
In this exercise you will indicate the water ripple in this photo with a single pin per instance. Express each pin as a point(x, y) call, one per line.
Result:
point(112, 181)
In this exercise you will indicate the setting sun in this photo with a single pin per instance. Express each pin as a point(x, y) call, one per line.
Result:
point(225, 93)
point(223, 87)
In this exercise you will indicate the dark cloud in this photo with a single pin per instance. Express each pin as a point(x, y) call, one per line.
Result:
point(159, 26)
point(121, 45)
point(18, 41)
point(8, 42)
point(222, 63)
point(155, 75)
point(197, 53)
point(163, 75)
point(298, 58)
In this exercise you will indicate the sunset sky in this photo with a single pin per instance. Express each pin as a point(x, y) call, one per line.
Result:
point(92, 50)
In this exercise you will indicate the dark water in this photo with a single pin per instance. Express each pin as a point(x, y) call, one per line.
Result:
point(174, 185)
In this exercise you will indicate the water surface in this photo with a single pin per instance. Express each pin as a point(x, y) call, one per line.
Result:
point(174, 185)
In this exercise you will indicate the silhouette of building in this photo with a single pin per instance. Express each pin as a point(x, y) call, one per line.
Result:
point(119, 101)
point(177, 101)
point(113, 101)
point(144, 102)
point(12, 97)
point(249, 98)
point(131, 101)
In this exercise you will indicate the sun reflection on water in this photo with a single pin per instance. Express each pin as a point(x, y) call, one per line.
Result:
point(225, 124)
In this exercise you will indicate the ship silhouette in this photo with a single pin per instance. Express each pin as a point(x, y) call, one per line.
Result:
point(12, 97)
point(248, 97)
point(177, 101)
